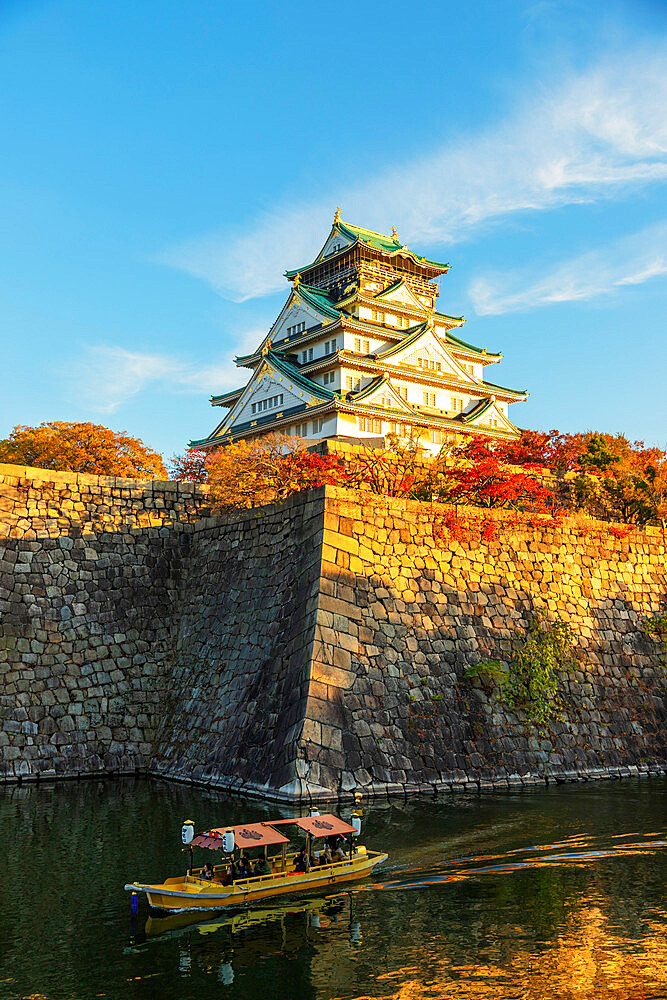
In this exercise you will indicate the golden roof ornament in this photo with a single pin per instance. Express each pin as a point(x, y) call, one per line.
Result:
point(394, 233)
point(297, 280)
point(266, 348)
point(337, 215)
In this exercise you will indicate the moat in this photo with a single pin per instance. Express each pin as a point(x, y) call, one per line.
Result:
point(555, 892)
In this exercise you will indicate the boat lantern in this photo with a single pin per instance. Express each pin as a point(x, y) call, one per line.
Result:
point(228, 841)
point(188, 832)
point(355, 821)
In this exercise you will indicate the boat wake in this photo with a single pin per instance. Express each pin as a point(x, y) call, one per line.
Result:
point(571, 851)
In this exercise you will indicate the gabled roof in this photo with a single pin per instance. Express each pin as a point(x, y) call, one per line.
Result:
point(390, 245)
point(407, 341)
point(477, 411)
point(394, 288)
point(286, 368)
point(375, 386)
point(318, 299)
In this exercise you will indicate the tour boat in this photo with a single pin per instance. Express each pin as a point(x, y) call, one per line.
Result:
point(193, 892)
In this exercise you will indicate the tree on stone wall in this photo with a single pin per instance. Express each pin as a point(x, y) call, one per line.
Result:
point(479, 478)
point(247, 474)
point(81, 447)
point(191, 466)
point(397, 470)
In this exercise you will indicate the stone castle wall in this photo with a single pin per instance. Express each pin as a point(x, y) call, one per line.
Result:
point(91, 572)
point(405, 609)
point(308, 648)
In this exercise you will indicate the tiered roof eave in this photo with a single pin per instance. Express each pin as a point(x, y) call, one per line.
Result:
point(387, 246)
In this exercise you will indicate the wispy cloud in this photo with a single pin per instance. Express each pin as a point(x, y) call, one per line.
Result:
point(106, 376)
point(586, 137)
point(628, 261)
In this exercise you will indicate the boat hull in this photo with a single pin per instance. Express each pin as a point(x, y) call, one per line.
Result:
point(191, 893)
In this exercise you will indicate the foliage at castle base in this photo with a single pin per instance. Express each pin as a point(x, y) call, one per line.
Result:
point(81, 447)
point(252, 473)
point(614, 479)
point(542, 473)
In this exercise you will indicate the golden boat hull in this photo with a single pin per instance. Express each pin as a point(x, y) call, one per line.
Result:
point(190, 892)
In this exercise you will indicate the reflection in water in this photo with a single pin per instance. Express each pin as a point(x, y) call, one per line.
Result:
point(551, 894)
point(588, 960)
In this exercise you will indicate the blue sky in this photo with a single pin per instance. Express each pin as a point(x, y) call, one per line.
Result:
point(162, 163)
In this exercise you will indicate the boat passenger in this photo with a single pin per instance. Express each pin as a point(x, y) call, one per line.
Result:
point(302, 863)
point(339, 853)
point(207, 872)
point(262, 867)
point(226, 876)
point(245, 868)
point(326, 857)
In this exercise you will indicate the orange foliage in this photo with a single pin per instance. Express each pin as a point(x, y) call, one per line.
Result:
point(81, 447)
point(248, 474)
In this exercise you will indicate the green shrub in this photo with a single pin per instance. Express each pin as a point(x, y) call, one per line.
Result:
point(529, 678)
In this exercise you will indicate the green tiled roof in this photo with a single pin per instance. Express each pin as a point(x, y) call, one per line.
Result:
point(471, 347)
point(503, 388)
point(459, 319)
point(370, 388)
point(477, 411)
point(227, 395)
point(292, 373)
point(385, 244)
point(318, 299)
point(411, 338)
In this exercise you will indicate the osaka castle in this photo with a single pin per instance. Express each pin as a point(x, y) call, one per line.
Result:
point(360, 351)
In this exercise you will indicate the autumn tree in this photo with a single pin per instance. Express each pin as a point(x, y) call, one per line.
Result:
point(396, 470)
point(191, 466)
point(480, 479)
point(264, 470)
point(81, 447)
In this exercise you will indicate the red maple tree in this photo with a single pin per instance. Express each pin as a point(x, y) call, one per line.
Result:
point(481, 480)
point(191, 466)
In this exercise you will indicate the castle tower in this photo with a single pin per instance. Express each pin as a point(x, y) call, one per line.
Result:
point(360, 351)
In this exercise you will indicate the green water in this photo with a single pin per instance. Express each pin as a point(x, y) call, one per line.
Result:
point(556, 892)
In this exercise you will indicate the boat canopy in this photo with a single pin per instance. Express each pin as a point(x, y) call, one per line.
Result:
point(263, 834)
point(245, 835)
point(327, 825)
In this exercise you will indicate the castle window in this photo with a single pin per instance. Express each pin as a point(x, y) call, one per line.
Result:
point(329, 346)
point(402, 391)
point(457, 404)
point(352, 383)
point(437, 437)
point(367, 347)
point(377, 316)
point(267, 404)
point(318, 425)
point(369, 425)
point(307, 356)
point(429, 398)
point(357, 345)
point(386, 402)
point(403, 321)
point(328, 377)
point(297, 328)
